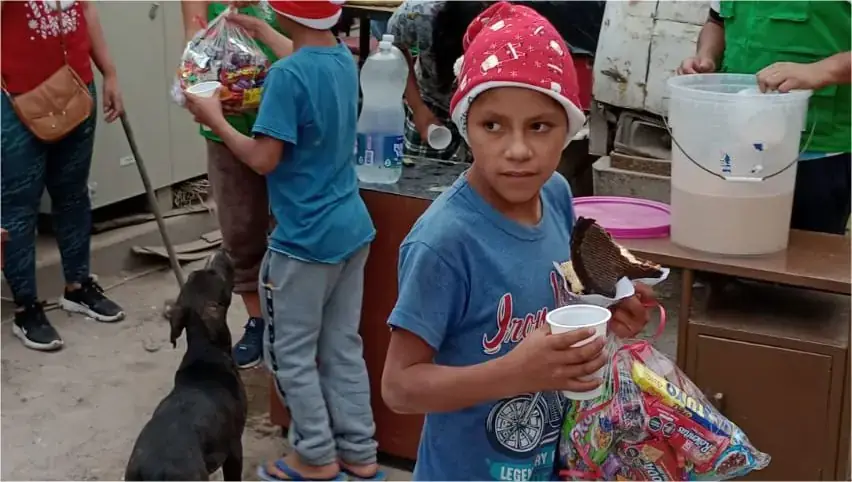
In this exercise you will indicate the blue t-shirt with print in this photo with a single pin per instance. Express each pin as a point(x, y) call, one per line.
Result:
point(310, 101)
point(473, 284)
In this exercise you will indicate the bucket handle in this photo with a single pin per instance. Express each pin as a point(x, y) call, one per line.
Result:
point(733, 178)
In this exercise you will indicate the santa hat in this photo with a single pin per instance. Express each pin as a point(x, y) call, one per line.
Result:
point(513, 46)
point(315, 14)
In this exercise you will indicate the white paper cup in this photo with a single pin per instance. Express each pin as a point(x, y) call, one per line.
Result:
point(204, 89)
point(575, 317)
point(438, 137)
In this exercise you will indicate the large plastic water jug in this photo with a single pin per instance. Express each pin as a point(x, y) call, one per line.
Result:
point(381, 125)
point(734, 156)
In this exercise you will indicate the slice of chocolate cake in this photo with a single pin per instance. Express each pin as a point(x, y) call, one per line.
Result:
point(598, 262)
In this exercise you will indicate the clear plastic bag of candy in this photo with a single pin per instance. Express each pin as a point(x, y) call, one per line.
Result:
point(224, 52)
point(651, 423)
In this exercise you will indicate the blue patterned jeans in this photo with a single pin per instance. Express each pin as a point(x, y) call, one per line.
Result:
point(28, 166)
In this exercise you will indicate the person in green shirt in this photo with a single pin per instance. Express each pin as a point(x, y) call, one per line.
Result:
point(242, 205)
point(795, 45)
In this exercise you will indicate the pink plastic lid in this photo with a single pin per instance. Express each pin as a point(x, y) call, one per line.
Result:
point(626, 217)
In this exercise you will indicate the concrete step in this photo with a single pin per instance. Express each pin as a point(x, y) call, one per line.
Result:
point(644, 165)
point(612, 181)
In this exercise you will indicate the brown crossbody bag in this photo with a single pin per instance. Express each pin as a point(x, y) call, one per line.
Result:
point(59, 104)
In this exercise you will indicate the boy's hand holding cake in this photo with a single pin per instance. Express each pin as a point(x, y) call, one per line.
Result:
point(605, 274)
point(630, 315)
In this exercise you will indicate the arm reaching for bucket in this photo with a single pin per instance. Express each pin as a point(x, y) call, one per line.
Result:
point(787, 76)
point(708, 52)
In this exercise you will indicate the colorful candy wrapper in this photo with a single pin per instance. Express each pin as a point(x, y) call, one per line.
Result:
point(224, 52)
point(651, 423)
point(733, 463)
point(693, 441)
point(649, 460)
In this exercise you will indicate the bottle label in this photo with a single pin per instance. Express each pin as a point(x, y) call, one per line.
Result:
point(379, 150)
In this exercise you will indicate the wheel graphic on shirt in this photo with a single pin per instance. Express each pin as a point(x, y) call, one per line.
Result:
point(518, 426)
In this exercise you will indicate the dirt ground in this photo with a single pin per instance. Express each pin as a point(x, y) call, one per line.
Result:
point(75, 414)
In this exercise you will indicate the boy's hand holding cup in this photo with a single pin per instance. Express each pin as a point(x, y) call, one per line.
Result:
point(202, 101)
point(565, 361)
point(590, 322)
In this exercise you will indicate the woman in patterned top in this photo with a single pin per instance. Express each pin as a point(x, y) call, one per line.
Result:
point(432, 32)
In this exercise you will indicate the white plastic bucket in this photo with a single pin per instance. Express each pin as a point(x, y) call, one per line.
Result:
point(734, 152)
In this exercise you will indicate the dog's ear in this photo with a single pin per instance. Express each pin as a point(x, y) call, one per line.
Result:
point(177, 322)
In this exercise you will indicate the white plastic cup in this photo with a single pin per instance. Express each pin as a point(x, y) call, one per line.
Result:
point(204, 89)
point(438, 137)
point(576, 317)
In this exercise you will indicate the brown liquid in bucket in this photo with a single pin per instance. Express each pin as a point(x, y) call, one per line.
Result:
point(733, 163)
point(731, 225)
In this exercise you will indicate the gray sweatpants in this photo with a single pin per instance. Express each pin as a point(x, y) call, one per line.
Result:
point(313, 348)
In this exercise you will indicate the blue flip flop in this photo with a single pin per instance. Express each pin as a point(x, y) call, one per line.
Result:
point(290, 472)
point(379, 475)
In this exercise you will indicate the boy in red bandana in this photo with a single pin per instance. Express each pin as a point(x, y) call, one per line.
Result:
point(470, 347)
point(312, 275)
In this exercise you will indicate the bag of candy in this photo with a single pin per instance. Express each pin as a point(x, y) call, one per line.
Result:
point(651, 423)
point(224, 52)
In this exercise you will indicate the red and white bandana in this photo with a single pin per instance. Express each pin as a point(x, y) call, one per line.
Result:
point(315, 14)
point(513, 46)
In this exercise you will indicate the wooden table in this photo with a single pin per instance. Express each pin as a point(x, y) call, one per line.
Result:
point(366, 12)
point(743, 347)
point(812, 260)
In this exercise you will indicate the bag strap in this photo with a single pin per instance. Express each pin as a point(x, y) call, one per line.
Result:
point(62, 44)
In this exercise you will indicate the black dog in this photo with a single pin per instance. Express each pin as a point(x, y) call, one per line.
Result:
point(198, 427)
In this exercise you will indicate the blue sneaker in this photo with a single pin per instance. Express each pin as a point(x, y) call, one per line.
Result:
point(249, 350)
